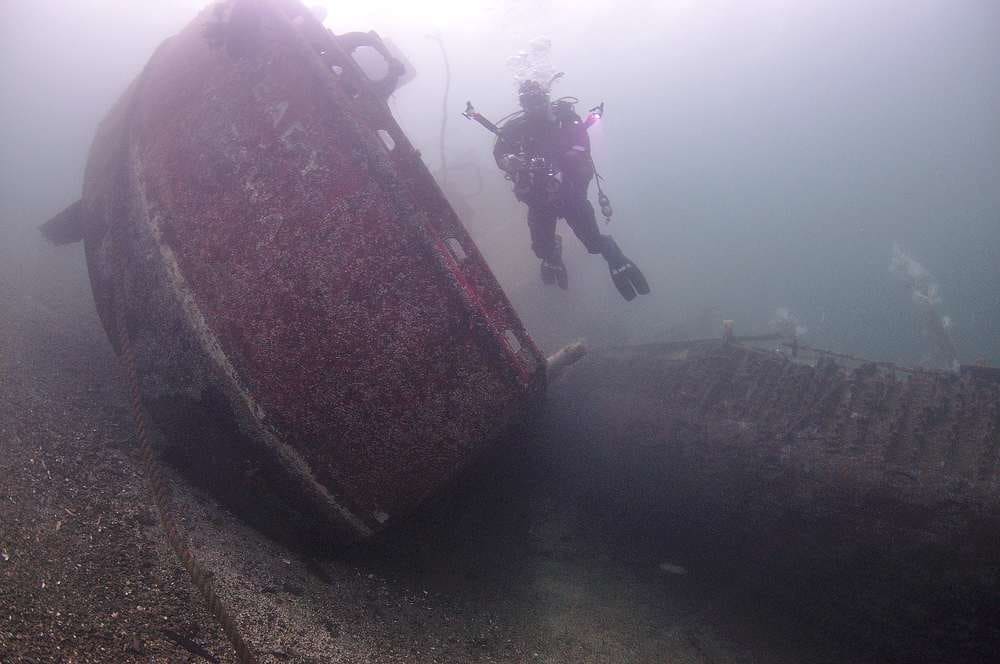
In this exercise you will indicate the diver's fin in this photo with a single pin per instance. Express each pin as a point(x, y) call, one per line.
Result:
point(627, 277)
point(639, 280)
point(548, 277)
point(553, 268)
point(629, 280)
point(562, 277)
point(620, 277)
point(66, 227)
point(555, 273)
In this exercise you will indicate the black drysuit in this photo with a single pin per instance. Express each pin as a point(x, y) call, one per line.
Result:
point(561, 139)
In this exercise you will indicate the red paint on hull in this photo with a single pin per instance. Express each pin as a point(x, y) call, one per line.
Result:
point(268, 246)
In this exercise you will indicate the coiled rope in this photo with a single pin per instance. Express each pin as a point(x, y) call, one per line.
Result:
point(161, 495)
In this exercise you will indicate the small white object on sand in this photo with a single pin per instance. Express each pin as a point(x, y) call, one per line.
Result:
point(670, 568)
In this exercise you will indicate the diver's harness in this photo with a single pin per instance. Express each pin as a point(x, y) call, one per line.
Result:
point(537, 170)
point(536, 174)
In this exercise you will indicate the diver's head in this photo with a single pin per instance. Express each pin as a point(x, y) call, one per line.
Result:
point(534, 98)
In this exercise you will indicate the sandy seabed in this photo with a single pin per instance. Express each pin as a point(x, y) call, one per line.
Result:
point(511, 565)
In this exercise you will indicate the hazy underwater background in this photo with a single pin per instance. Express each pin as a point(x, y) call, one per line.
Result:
point(766, 159)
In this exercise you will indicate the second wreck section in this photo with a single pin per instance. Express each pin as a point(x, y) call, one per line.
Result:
point(888, 448)
point(868, 499)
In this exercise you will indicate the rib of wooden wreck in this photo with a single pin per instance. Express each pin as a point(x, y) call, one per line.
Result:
point(306, 308)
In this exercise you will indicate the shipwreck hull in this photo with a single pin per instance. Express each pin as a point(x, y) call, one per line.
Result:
point(287, 264)
point(864, 501)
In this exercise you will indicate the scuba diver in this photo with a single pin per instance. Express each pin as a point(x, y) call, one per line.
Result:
point(545, 151)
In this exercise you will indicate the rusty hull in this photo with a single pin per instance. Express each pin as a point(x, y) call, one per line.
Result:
point(287, 263)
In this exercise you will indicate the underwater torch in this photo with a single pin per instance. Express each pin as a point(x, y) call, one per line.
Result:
point(593, 115)
point(471, 113)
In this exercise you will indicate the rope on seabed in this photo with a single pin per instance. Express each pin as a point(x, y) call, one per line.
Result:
point(161, 497)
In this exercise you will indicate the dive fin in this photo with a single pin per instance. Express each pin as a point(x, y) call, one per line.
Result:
point(627, 277)
point(555, 273)
point(548, 277)
point(553, 268)
point(639, 280)
point(66, 227)
point(629, 280)
point(562, 277)
point(619, 275)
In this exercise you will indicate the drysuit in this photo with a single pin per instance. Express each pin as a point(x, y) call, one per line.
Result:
point(547, 156)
